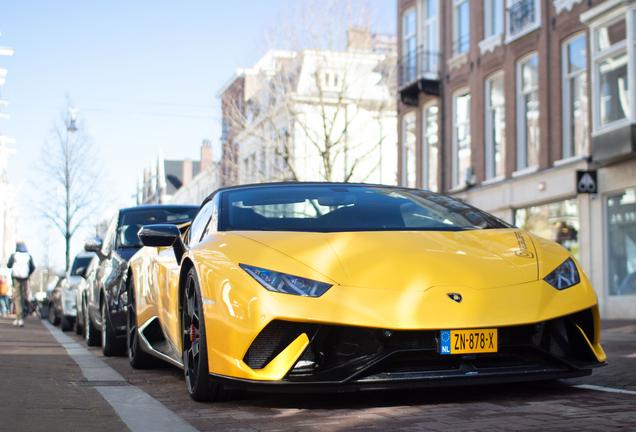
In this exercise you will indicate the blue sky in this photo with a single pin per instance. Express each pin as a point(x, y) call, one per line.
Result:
point(143, 74)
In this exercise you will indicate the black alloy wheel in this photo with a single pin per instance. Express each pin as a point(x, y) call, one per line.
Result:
point(195, 354)
point(138, 359)
point(91, 333)
point(53, 318)
point(110, 345)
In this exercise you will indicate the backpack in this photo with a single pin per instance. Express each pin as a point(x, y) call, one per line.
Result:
point(21, 265)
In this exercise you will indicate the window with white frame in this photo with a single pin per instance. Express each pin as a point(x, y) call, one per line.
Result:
point(495, 126)
point(409, 47)
point(431, 35)
point(575, 100)
point(523, 16)
point(493, 18)
point(611, 67)
point(528, 112)
point(332, 80)
point(461, 26)
point(430, 139)
point(461, 137)
point(409, 139)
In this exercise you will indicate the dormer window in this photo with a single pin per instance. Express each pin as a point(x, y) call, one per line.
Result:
point(332, 80)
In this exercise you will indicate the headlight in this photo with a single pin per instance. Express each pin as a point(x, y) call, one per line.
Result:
point(286, 283)
point(565, 275)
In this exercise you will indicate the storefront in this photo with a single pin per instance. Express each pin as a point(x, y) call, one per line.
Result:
point(557, 221)
point(621, 242)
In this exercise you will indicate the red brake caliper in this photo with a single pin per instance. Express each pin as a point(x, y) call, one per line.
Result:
point(193, 333)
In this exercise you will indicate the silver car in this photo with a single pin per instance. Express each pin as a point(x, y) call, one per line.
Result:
point(63, 303)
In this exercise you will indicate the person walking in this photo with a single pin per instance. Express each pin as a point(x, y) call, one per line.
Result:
point(22, 266)
point(4, 296)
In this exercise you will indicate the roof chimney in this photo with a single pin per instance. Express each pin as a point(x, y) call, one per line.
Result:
point(187, 171)
point(359, 39)
point(206, 155)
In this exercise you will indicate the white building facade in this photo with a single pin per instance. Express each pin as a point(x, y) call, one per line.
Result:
point(314, 116)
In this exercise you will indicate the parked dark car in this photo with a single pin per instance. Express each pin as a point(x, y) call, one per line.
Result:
point(105, 297)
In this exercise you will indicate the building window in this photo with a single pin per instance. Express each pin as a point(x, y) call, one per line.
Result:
point(528, 112)
point(495, 127)
point(557, 221)
point(611, 64)
point(431, 150)
point(409, 40)
point(621, 220)
point(524, 16)
point(431, 34)
point(332, 80)
point(461, 26)
point(575, 100)
point(461, 138)
point(493, 17)
point(409, 139)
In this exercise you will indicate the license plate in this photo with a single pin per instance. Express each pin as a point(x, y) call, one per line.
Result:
point(468, 341)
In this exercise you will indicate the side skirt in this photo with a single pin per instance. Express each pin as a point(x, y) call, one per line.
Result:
point(154, 341)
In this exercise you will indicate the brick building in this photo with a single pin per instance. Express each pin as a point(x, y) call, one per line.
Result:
point(507, 103)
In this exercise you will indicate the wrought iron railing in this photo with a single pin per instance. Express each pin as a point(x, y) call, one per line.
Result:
point(461, 44)
point(521, 15)
point(416, 65)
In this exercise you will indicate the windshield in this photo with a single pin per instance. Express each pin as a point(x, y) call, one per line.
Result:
point(80, 264)
point(333, 208)
point(132, 221)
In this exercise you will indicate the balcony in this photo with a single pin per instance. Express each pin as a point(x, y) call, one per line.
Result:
point(521, 16)
point(418, 72)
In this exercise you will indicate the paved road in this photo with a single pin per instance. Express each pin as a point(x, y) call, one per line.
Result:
point(32, 359)
point(550, 407)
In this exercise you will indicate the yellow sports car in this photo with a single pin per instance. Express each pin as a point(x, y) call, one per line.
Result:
point(323, 286)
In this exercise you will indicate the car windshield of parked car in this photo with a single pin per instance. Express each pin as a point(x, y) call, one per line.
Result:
point(132, 221)
point(333, 208)
point(79, 265)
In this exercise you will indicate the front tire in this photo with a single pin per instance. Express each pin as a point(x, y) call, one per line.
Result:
point(195, 353)
point(79, 325)
point(91, 333)
point(53, 318)
point(138, 359)
point(110, 345)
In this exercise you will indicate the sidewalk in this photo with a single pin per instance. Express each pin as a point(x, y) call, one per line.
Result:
point(36, 373)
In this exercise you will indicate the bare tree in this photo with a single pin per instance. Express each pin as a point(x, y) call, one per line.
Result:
point(321, 103)
point(70, 174)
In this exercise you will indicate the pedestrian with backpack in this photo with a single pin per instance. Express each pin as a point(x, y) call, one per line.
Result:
point(22, 266)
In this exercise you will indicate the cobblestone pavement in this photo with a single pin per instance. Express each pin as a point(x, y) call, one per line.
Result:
point(520, 407)
point(35, 389)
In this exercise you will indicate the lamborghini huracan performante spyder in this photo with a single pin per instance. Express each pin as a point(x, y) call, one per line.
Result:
point(339, 287)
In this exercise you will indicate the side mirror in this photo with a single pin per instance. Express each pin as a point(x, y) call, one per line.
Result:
point(93, 245)
point(160, 235)
point(163, 235)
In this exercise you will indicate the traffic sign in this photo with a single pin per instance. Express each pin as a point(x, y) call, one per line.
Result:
point(586, 182)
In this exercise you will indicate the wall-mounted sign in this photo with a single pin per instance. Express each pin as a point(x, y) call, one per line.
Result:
point(586, 182)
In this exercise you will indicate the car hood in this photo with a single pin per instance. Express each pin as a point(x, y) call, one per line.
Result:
point(411, 260)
